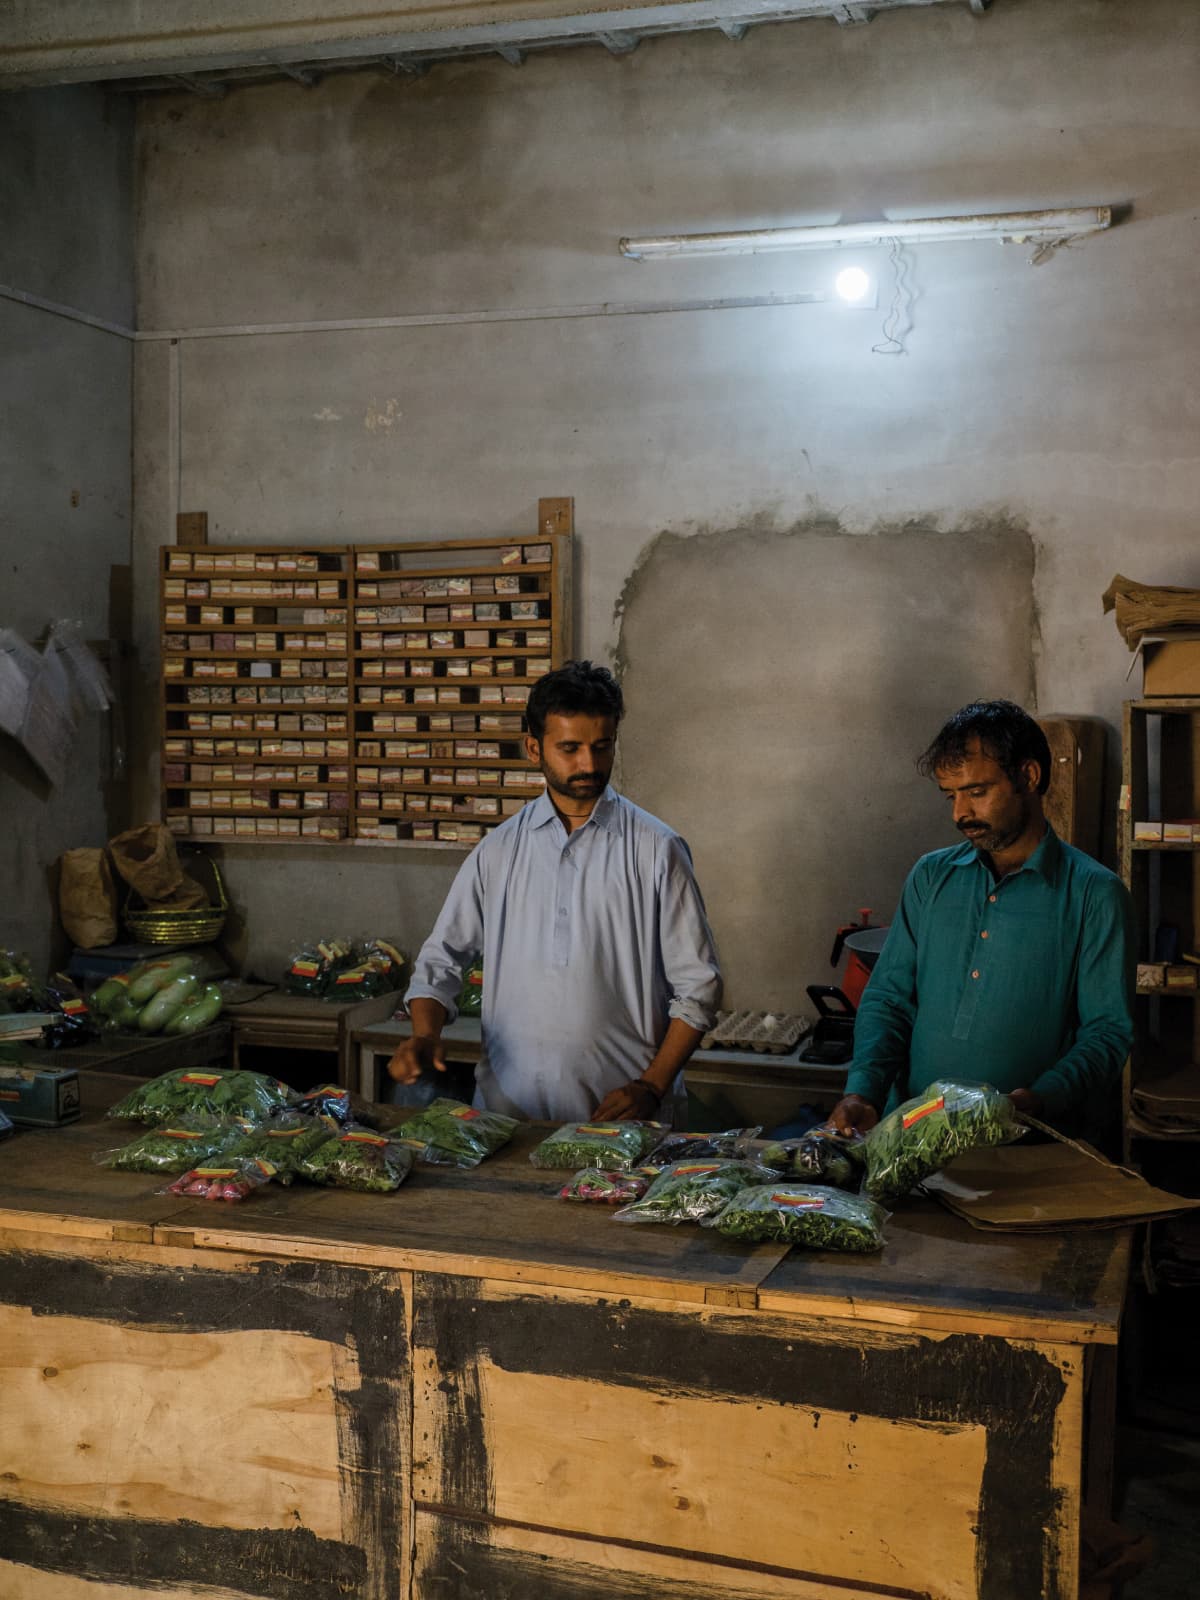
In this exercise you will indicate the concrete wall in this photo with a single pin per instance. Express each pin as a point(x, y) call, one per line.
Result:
point(66, 192)
point(802, 552)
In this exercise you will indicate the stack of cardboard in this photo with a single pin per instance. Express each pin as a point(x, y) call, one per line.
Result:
point(1167, 1108)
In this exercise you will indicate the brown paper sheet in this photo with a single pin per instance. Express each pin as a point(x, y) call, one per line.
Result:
point(1047, 1188)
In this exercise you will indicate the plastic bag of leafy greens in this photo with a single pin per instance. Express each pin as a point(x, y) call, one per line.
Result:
point(189, 1142)
point(610, 1145)
point(284, 1142)
point(358, 1158)
point(16, 982)
point(457, 1135)
point(812, 1215)
point(225, 1179)
point(340, 1105)
point(822, 1155)
point(608, 1188)
point(376, 967)
point(689, 1191)
point(314, 966)
point(727, 1146)
point(206, 1092)
point(919, 1137)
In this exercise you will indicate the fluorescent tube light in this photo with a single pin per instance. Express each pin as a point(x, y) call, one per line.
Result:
point(1016, 227)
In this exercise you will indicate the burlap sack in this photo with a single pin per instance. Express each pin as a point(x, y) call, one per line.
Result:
point(148, 861)
point(87, 898)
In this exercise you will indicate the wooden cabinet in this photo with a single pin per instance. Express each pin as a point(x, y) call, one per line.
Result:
point(256, 704)
point(1160, 795)
point(448, 638)
point(362, 694)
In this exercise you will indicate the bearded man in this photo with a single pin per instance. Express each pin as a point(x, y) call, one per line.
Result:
point(1011, 957)
point(600, 971)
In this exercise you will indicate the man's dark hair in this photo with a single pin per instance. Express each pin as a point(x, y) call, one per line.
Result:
point(999, 729)
point(574, 689)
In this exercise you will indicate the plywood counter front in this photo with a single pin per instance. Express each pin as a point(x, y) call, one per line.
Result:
point(468, 1391)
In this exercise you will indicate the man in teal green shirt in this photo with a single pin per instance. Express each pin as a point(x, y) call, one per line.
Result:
point(1010, 959)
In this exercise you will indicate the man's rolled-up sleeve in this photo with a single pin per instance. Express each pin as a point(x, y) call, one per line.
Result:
point(456, 938)
point(689, 951)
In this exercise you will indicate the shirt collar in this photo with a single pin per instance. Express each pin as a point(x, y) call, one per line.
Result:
point(605, 813)
point(1044, 860)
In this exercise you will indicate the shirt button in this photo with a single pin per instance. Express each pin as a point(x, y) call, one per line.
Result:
point(992, 899)
point(984, 934)
point(975, 974)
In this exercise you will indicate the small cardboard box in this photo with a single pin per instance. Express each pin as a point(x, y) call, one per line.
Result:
point(1170, 662)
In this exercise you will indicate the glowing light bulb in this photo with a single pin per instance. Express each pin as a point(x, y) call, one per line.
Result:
point(852, 284)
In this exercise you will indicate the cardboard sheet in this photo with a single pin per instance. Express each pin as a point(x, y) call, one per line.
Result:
point(1048, 1188)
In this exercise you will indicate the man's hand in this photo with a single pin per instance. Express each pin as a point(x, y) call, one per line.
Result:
point(1026, 1100)
point(419, 1054)
point(853, 1115)
point(632, 1102)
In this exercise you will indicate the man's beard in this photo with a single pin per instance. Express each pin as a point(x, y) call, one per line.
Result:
point(577, 788)
point(992, 839)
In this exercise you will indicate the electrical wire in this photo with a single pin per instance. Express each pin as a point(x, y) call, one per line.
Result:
point(898, 321)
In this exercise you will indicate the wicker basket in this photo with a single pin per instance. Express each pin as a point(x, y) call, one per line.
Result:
point(200, 925)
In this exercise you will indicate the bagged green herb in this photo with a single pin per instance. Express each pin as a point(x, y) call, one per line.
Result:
point(456, 1135)
point(807, 1214)
point(919, 1137)
point(358, 1158)
point(822, 1155)
point(204, 1091)
point(608, 1188)
point(340, 1105)
point(728, 1146)
point(614, 1145)
point(284, 1142)
point(190, 1142)
point(689, 1191)
point(314, 967)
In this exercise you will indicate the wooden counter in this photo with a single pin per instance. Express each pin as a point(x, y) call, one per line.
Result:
point(469, 1391)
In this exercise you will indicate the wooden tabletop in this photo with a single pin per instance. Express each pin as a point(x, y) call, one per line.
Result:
point(501, 1221)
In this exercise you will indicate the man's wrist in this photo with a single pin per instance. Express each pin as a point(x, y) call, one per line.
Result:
point(651, 1088)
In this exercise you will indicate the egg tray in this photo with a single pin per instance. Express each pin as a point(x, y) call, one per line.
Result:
point(769, 1032)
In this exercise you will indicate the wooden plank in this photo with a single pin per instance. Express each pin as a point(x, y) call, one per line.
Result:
point(690, 1430)
point(460, 1559)
point(231, 1429)
point(934, 1273)
point(238, 1423)
point(27, 1583)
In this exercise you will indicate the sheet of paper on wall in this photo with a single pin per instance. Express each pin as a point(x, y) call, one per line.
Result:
point(88, 677)
point(48, 729)
point(14, 689)
point(1049, 1188)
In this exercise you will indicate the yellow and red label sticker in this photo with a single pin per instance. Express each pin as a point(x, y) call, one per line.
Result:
point(283, 1133)
point(467, 1114)
point(178, 1133)
point(603, 1133)
point(926, 1109)
point(206, 1079)
point(798, 1202)
point(701, 1166)
point(362, 1138)
point(13, 981)
point(306, 969)
point(214, 1172)
point(349, 977)
point(74, 1008)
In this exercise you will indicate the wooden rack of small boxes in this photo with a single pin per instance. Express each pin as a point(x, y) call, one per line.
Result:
point(447, 640)
point(355, 693)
